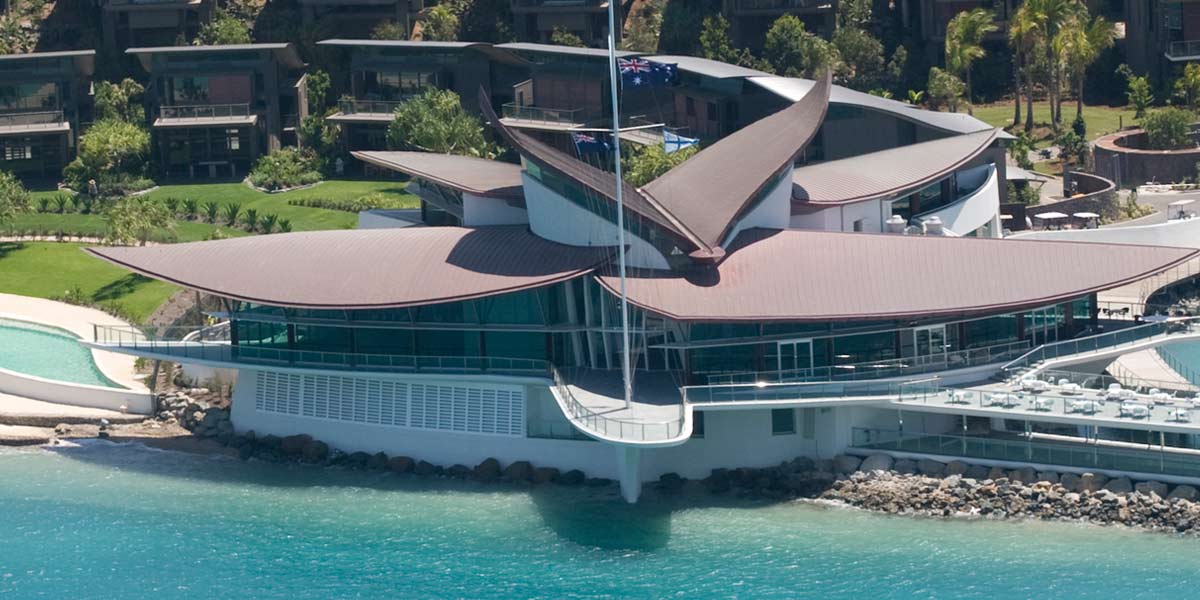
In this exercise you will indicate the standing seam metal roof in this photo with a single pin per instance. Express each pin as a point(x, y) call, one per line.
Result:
point(478, 176)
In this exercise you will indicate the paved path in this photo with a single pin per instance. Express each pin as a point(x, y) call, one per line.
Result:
point(77, 320)
point(18, 410)
point(1148, 365)
point(17, 435)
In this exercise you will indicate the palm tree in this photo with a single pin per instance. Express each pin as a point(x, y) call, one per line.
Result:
point(916, 97)
point(1023, 37)
point(964, 39)
point(1085, 42)
point(1053, 15)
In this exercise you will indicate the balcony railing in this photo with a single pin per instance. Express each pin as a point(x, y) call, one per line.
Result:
point(785, 392)
point(781, 5)
point(547, 116)
point(46, 119)
point(618, 428)
point(556, 3)
point(1099, 343)
point(1184, 49)
point(165, 342)
point(139, 2)
point(1077, 455)
point(204, 111)
point(370, 107)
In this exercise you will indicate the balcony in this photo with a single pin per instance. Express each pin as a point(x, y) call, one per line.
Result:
point(1183, 51)
point(205, 115)
point(126, 3)
point(558, 5)
point(771, 7)
point(537, 117)
point(371, 107)
point(49, 121)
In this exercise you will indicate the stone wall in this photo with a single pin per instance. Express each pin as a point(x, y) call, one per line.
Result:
point(1098, 195)
point(1118, 158)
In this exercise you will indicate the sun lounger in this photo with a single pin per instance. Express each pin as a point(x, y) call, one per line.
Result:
point(1134, 410)
point(1179, 415)
point(1071, 389)
point(1087, 407)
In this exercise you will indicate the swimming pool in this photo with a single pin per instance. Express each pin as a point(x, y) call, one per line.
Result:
point(49, 353)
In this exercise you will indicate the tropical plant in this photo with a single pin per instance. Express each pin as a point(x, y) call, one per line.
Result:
point(223, 29)
point(440, 25)
point(853, 13)
point(389, 30)
point(1023, 37)
point(945, 89)
point(60, 203)
point(1168, 128)
point(267, 223)
point(964, 44)
point(112, 151)
point(1085, 40)
point(1072, 147)
point(860, 58)
point(285, 168)
point(647, 163)
point(14, 199)
point(135, 219)
point(795, 52)
point(916, 97)
point(645, 27)
point(189, 208)
point(436, 121)
point(316, 87)
point(1020, 148)
point(1187, 86)
point(232, 211)
point(211, 211)
point(285, 225)
point(120, 101)
point(1139, 95)
point(250, 219)
point(172, 204)
point(1054, 16)
point(562, 37)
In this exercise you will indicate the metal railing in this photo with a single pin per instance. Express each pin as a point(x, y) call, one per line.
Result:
point(372, 107)
point(168, 341)
point(1184, 48)
point(1181, 367)
point(740, 393)
point(634, 430)
point(46, 119)
point(753, 5)
point(538, 114)
point(957, 359)
point(1098, 343)
point(554, 3)
point(203, 111)
point(1085, 456)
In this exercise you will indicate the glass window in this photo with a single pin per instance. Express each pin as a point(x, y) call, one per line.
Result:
point(29, 97)
point(783, 421)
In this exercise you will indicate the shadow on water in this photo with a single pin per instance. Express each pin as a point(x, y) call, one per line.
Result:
point(588, 516)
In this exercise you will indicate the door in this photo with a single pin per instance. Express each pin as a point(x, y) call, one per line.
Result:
point(794, 355)
point(929, 344)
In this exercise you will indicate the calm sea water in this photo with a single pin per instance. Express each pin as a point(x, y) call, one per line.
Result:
point(48, 353)
point(121, 521)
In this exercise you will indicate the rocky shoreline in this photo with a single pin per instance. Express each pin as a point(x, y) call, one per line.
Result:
point(877, 483)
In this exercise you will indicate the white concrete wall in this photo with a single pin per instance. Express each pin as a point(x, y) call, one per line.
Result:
point(978, 209)
point(1182, 234)
point(205, 376)
point(842, 217)
point(774, 211)
point(559, 220)
point(374, 219)
point(480, 211)
point(74, 394)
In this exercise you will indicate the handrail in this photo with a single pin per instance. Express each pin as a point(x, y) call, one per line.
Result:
point(1184, 48)
point(1093, 343)
point(615, 428)
point(356, 106)
point(203, 111)
point(1178, 365)
point(42, 118)
point(782, 392)
point(539, 114)
point(955, 359)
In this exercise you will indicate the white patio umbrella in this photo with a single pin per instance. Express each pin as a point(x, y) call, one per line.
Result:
point(1050, 215)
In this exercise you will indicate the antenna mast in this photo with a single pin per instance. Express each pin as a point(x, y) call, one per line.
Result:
point(626, 374)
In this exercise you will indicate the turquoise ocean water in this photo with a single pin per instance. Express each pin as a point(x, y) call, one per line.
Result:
point(121, 521)
point(48, 353)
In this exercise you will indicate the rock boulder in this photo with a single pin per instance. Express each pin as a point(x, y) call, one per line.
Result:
point(876, 462)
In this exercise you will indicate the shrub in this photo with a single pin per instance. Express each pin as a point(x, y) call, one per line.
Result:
point(211, 211)
point(368, 202)
point(233, 210)
point(113, 153)
point(1079, 126)
point(285, 168)
point(1168, 129)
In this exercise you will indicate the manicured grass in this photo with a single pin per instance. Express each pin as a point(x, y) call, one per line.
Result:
point(302, 218)
point(1101, 120)
point(48, 269)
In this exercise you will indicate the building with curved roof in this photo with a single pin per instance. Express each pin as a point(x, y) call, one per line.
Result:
point(781, 301)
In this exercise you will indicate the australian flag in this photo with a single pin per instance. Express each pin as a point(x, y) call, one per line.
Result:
point(586, 143)
point(638, 72)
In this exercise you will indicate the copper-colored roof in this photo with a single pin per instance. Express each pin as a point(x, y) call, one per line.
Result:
point(469, 174)
point(711, 190)
point(596, 181)
point(829, 276)
point(887, 172)
point(376, 268)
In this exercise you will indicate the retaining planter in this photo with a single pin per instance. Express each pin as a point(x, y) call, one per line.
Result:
point(1096, 194)
point(75, 394)
point(1120, 158)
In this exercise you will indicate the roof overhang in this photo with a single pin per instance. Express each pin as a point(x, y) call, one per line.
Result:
point(477, 176)
point(237, 121)
point(361, 118)
point(35, 129)
point(285, 53)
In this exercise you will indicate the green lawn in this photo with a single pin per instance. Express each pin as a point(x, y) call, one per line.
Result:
point(1101, 120)
point(48, 269)
point(302, 218)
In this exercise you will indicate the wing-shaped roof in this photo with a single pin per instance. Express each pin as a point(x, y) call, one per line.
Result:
point(596, 181)
point(710, 190)
point(794, 88)
point(565, 50)
point(477, 176)
point(887, 172)
point(827, 276)
point(707, 67)
point(371, 268)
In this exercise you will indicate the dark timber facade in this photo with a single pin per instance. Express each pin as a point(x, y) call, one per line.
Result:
point(45, 98)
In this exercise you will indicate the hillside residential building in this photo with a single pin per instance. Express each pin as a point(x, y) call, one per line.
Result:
point(214, 110)
point(767, 321)
point(45, 99)
point(749, 20)
point(536, 20)
point(356, 18)
point(1161, 36)
point(132, 23)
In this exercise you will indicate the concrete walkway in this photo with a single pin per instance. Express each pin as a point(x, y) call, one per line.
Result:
point(1148, 365)
point(78, 320)
point(18, 435)
point(17, 410)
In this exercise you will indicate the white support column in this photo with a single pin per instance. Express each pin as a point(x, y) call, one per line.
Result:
point(629, 472)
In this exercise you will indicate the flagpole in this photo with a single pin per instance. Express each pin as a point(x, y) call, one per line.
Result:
point(626, 375)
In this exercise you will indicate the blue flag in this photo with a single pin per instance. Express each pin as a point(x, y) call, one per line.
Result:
point(586, 143)
point(674, 141)
point(639, 72)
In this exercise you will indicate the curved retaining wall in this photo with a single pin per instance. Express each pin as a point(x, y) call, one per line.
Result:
point(75, 394)
point(1118, 158)
point(1098, 195)
point(1181, 234)
point(978, 209)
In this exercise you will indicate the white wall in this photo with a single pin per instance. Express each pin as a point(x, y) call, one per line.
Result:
point(559, 220)
point(978, 209)
point(843, 216)
point(74, 394)
point(1181, 234)
point(773, 212)
point(480, 211)
point(387, 219)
